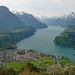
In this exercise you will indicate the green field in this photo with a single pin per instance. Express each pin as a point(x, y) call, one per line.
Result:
point(47, 60)
point(42, 63)
point(18, 66)
point(65, 61)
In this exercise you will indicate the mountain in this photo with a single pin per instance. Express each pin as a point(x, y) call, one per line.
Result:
point(53, 21)
point(12, 29)
point(67, 37)
point(65, 20)
point(70, 19)
point(9, 20)
point(30, 20)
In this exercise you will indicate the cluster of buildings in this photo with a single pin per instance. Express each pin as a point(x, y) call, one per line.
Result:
point(18, 55)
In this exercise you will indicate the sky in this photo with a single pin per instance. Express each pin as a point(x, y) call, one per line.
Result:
point(41, 8)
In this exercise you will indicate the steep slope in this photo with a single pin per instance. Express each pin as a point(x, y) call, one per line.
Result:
point(67, 37)
point(65, 20)
point(9, 20)
point(31, 20)
point(12, 29)
point(70, 19)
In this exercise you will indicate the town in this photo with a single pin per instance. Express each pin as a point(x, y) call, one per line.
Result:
point(21, 55)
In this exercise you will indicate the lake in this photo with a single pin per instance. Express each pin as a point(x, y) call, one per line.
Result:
point(43, 42)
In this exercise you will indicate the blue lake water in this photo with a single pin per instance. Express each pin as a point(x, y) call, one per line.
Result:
point(43, 42)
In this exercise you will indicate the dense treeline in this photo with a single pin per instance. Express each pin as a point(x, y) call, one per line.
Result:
point(12, 29)
point(67, 37)
point(8, 38)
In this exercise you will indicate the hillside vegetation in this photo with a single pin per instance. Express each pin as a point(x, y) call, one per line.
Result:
point(31, 62)
point(8, 38)
point(12, 29)
point(67, 37)
point(31, 69)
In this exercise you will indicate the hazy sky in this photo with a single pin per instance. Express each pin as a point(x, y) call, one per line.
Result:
point(41, 7)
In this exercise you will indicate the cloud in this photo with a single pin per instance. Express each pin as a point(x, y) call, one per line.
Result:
point(41, 7)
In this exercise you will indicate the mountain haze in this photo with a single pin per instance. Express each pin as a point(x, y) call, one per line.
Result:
point(64, 20)
point(9, 20)
point(30, 20)
point(12, 29)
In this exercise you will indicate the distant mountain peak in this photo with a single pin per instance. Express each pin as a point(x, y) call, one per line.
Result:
point(71, 15)
point(23, 13)
point(8, 20)
point(29, 19)
point(3, 8)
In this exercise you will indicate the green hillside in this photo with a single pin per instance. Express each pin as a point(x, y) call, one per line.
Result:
point(67, 37)
point(12, 29)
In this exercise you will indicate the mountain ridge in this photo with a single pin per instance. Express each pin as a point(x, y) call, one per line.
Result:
point(12, 29)
point(29, 19)
point(8, 19)
point(64, 20)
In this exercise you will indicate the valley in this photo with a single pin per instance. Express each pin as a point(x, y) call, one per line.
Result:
point(43, 41)
point(37, 37)
point(30, 47)
point(12, 29)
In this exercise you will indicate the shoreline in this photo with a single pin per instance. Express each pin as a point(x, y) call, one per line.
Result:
point(30, 35)
point(35, 43)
